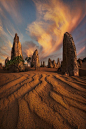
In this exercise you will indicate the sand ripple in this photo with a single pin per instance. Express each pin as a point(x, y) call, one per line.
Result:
point(42, 100)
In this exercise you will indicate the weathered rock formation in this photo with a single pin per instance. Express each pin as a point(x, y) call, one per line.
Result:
point(1, 66)
point(53, 64)
point(79, 62)
point(50, 63)
point(69, 63)
point(43, 63)
point(6, 60)
point(58, 63)
point(17, 51)
point(35, 59)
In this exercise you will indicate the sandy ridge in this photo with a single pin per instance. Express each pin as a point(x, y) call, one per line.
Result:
point(43, 100)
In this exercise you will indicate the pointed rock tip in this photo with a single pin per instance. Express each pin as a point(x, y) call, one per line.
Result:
point(68, 34)
point(36, 50)
point(15, 34)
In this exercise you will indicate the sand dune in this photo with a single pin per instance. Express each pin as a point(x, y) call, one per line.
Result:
point(42, 100)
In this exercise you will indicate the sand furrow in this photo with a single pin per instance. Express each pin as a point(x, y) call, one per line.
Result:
point(58, 99)
point(79, 80)
point(45, 112)
point(70, 114)
point(6, 78)
point(28, 119)
point(73, 85)
point(27, 87)
point(24, 120)
point(39, 91)
point(14, 88)
point(83, 78)
point(41, 85)
point(71, 79)
point(42, 100)
point(66, 102)
point(65, 105)
point(12, 83)
point(20, 92)
point(76, 104)
point(60, 89)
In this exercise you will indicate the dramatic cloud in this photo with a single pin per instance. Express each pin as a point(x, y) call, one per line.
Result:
point(29, 47)
point(7, 32)
point(80, 31)
point(54, 18)
point(5, 44)
point(45, 22)
point(4, 53)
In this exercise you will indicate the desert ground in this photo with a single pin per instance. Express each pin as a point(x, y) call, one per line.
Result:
point(42, 99)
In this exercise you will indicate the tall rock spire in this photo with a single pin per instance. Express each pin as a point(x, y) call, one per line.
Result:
point(16, 49)
point(69, 63)
point(35, 59)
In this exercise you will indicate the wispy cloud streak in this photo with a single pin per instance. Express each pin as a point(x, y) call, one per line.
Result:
point(81, 50)
point(12, 7)
point(54, 18)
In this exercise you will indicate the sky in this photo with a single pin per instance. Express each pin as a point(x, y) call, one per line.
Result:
point(41, 24)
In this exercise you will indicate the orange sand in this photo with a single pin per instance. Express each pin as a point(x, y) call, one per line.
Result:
point(42, 100)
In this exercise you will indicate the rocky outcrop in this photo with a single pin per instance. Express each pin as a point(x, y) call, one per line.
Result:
point(6, 60)
point(17, 51)
point(35, 59)
point(58, 64)
point(79, 62)
point(53, 64)
point(69, 63)
point(1, 66)
point(50, 63)
point(43, 63)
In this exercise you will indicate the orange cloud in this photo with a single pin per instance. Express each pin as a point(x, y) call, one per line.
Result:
point(10, 44)
point(28, 48)
point(54, 18)
point(6, 44)
point(81, 50)
point(2, 61)
point(3, 56)
point(5, 51)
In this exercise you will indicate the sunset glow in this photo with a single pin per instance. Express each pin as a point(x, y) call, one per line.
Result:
point(41, 25)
